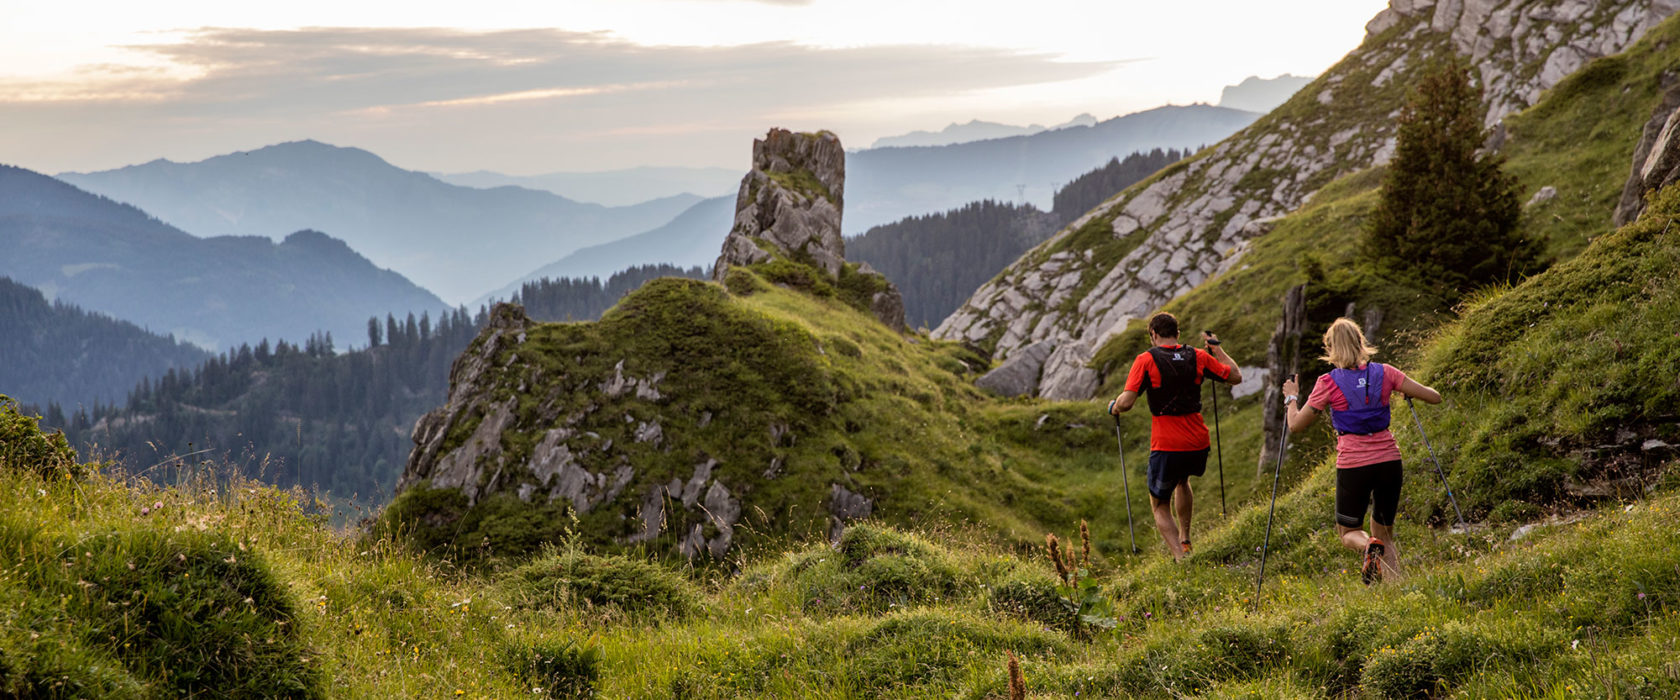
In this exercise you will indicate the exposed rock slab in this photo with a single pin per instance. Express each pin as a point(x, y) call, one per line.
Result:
point(1018, 375)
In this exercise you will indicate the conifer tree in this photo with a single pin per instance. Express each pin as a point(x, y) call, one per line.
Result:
point(1448, 211)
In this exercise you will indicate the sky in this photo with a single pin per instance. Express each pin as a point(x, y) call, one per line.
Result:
point(583, 85)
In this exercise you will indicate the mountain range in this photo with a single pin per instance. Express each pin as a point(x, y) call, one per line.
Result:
point(1257, 94)
point(974, 130)
point(613, 188)
point(455, 241)
point(215, 292)
point(887, 184)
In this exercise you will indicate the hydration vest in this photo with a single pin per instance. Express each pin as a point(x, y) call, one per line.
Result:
point(1367, 411)
point(1180, 392)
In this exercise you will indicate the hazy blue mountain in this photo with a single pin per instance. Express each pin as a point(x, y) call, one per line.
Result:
point(693, 238)
point(887, 184)
point(974, 130)
point(613, 188)
point(57, 353)
point(113, 258)
point(1262, 95)
point(457, 241)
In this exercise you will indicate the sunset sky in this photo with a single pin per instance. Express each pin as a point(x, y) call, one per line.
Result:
point(573, 85)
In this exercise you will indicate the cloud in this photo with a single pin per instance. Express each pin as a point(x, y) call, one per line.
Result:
point(535, 85)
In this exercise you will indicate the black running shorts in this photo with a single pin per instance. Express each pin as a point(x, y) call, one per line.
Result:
point(1374, 485)
point(1169, 469)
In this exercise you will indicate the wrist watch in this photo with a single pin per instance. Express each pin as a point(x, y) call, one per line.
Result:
point(1290, 398)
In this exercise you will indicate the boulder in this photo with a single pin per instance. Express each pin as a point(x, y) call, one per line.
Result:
point(1018, 375)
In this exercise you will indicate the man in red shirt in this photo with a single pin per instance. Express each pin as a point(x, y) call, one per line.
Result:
point(1178, 439)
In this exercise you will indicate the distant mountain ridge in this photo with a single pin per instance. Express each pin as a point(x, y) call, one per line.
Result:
point(215, 292)
point(691, 239)
point(1257, 94)
point(457, 241)
point(884, 185)
point(612, 188)
point(974, 130)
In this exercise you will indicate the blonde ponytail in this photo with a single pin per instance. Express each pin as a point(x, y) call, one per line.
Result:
point(1345, 346)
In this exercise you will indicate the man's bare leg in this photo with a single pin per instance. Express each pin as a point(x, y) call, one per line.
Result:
point(1183, 502)
point(1164, 525)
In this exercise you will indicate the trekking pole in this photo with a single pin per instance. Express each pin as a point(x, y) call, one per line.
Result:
point(1283, 445)
point(1221, 445)
point(1124, 483)
point(1438, 470)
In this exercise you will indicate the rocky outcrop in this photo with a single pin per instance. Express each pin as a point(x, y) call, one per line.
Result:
point(790, 205)
point(1656, 161)
point(463, 466)
point(1192, 221)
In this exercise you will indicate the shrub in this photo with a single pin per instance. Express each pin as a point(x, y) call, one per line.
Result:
point(185, 613)
point(561, 669)
point(24, 446)
point(876, 569)
point(1034, 599)
point(617, 583)
point(918, 647)
point(1406, 671)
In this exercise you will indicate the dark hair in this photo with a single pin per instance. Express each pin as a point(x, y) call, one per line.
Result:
point(1164, 325)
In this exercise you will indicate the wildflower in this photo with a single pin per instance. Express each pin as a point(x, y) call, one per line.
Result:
point(1642, 595)
point(157, 506)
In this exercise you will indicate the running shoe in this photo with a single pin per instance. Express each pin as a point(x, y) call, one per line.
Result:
point(1185, 546)
point(1371, 571)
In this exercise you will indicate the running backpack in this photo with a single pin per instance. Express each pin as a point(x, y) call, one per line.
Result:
point(1367, 411)
point(1180, 393)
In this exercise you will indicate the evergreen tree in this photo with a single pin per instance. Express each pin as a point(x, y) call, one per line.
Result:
point(1448, 211)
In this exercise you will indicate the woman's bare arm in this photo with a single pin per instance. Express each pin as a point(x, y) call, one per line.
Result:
point(1414, 390)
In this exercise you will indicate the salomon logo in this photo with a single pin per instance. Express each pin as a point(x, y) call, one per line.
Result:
point(1179, 356)
point(1362, 382)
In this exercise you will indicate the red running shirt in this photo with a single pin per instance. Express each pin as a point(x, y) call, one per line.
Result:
point(1175, 433)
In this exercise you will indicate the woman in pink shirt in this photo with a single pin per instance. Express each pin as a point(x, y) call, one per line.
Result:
point(1368, 471)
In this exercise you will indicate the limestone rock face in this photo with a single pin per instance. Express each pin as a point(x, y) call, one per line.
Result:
point(1194, 221)
point(790, 202)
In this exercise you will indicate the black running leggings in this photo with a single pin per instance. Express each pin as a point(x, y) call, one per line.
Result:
point(1374, 485)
